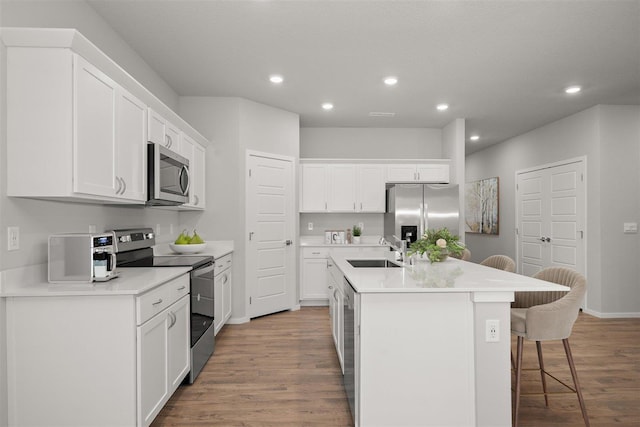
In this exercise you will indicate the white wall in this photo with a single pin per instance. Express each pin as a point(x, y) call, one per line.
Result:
point(370, 143)
point(233, 126)
point(608, 137)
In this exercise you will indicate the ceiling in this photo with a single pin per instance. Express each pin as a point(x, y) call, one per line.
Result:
point(501, 65)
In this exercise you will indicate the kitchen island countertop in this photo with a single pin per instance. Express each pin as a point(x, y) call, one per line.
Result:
point(451, 275)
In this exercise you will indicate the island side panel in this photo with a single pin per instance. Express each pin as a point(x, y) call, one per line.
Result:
point(416, 359)
point(493, 364)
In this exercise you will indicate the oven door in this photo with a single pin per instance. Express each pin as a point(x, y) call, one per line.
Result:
point(168, 177)
point(202, 316)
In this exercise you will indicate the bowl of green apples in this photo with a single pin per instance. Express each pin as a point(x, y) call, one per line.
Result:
point(187, 244)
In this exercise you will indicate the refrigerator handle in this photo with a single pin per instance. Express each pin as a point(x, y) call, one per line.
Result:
point(423, 218)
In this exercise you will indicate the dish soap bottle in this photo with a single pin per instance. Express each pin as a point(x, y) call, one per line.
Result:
point(349, 236)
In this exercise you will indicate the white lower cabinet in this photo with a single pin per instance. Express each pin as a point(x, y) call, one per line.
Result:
point(163, 362)
point(222, 291)
point(314, 274)
point(104, 360)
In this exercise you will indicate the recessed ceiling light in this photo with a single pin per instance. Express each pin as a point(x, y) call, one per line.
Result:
point(442, 107)
point(573, 89)
point(390, 81)
point(474, 137)
point(327, 106)
point(276, 79)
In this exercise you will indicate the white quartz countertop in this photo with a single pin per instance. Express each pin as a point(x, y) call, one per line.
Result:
point(130, 281)
point(214, 248)
point(451, 275)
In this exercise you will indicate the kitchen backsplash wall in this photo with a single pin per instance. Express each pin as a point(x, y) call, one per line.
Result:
point(373, 223)
point(38, 219)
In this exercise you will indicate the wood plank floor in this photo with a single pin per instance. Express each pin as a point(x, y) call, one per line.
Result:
point(282, 370)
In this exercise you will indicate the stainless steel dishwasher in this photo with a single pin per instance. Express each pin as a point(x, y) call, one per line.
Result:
point(349, 346)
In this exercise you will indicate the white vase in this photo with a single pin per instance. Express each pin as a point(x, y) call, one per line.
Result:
point(356, 240)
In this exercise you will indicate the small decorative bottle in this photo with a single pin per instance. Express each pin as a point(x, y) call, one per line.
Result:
point(349, 236)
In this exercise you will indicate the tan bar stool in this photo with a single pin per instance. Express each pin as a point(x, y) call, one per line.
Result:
point(545, 316)
point(501, 262)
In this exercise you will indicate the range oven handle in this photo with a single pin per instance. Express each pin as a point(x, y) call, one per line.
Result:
point(203, 271)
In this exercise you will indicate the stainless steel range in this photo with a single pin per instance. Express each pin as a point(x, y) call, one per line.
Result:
point(133, 248)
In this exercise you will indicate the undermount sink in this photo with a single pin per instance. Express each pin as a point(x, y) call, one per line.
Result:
point(372, 263)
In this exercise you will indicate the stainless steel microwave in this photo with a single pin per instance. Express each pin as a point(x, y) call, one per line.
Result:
point(168, 177)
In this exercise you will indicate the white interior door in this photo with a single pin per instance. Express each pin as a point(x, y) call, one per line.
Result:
point(271, 230)
point(551, 218)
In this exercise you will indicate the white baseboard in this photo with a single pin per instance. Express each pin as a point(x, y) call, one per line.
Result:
point(612, 315)
point(314, 302)
point(238, 320)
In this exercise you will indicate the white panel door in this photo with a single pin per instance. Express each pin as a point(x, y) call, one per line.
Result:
point(551, 218)
point(271, 229)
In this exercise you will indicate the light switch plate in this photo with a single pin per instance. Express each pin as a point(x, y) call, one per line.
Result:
point(13, 238)
point(630, 227)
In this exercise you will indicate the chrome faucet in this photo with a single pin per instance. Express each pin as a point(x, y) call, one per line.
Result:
point(401, 250)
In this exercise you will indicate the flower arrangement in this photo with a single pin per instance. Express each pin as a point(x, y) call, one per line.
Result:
point(437, 244)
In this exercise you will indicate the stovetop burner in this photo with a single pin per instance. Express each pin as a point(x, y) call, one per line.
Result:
point(169, 261)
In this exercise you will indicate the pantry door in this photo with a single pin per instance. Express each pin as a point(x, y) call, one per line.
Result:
point(550, 212)
point(270, 233)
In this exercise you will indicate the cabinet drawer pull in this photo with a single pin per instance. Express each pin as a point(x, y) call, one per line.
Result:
point(315, 253)
point(158, 302)
point(181, 288)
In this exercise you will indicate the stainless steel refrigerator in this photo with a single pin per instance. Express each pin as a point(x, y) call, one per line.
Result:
point(414, 208)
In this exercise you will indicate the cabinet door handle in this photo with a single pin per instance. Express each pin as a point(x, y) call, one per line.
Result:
point(158, 302)
point(354, 206)
point(173, 318)
point(124, 184)
point(325, 206)
point(119, 185)
point(196, 200)
point(330, 287)
point(225, 279)
point(360, 205)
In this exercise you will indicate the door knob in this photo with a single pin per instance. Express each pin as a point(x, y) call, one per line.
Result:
point(545, 239)
point(288, 242)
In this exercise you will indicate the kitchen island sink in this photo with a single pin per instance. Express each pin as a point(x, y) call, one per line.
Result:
point(372, 263)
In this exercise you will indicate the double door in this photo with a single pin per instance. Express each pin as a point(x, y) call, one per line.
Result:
point(551, 218)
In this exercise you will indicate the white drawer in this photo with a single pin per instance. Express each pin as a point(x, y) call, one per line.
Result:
point(315, 252)
point(157, 299)
point(223, 263)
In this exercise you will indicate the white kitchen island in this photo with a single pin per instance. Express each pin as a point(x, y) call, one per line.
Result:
point(420, 355)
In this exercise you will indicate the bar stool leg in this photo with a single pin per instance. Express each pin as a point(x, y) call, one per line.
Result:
point(516, 408)
point(574, 374)
point(542, 374)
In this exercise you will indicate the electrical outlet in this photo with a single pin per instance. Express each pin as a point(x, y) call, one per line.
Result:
point(492, 331)
point(13, 238)
point(310, 226)
point(157, 230)
point(92, 228)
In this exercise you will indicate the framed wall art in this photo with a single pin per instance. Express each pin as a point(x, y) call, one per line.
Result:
point(481, 206)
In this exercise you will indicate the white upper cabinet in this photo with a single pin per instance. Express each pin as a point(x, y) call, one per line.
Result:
point(131, 147)
point(342, 188)
point(421, 172)
point(371, 188)
point(313, 187)
point(94, 117)
point(89, 140)
point(162, 132)
point(197, 181)
point(78, 124)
